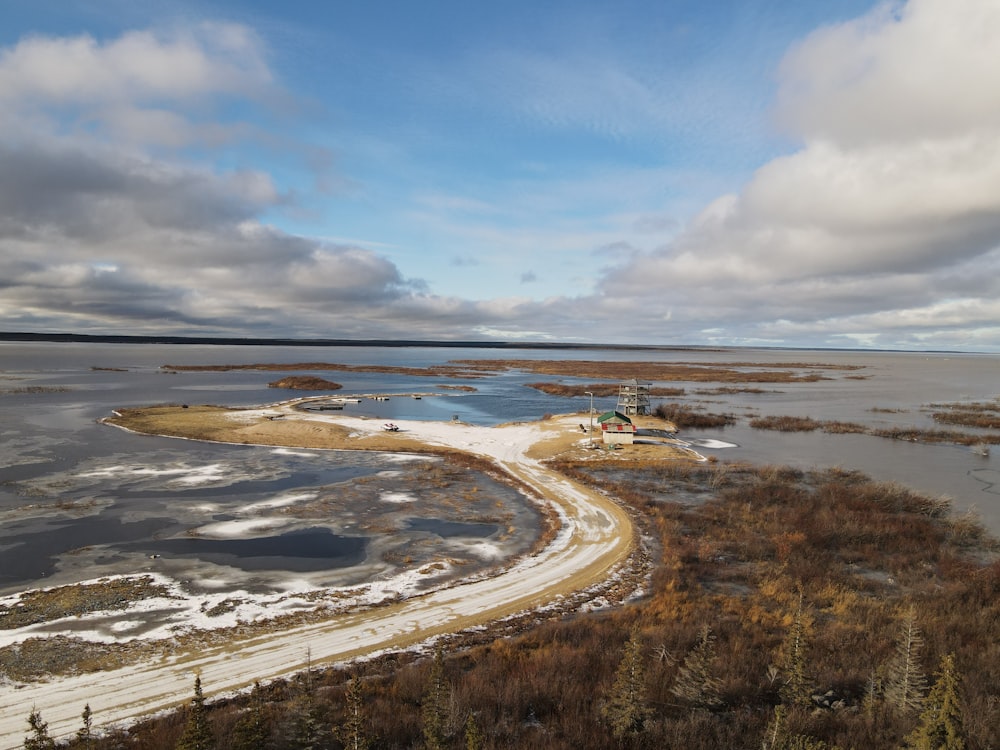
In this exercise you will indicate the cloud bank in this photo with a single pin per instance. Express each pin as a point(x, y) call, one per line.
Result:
point(883, 228)
point(127, 204)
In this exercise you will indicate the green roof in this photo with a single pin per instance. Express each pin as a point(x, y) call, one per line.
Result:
point(614, 417)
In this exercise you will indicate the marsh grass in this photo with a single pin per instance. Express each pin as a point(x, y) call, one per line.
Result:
point(600, 390)
point(786, 424)
point(688, 417)
point(981, 414)
point(305, 383)
point(728, 372)
point(789, 423)
point(915, 435)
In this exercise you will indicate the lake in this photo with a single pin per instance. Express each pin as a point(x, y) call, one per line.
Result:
point(79, 499)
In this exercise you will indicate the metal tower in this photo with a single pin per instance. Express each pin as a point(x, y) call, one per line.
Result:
point(633, 398)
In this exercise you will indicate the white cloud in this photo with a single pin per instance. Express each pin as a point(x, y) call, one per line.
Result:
point(907, 71)
point(882, 227)
point(886, 214)
point(138, 66)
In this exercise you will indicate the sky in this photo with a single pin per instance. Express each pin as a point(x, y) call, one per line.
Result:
point(823, 173)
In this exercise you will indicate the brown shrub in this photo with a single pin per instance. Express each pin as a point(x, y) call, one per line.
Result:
point(686, 417)
point(786, 424)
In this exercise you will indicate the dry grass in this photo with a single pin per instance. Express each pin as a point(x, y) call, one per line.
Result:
point(471, 370)
point(728, 390)
point(70, 601)
point(600, 390)
point(854, 553)
point(914, 435)
point(786, 424)
point(730, 372)
point(305, 383)
point(687, 417)
point(981, 415)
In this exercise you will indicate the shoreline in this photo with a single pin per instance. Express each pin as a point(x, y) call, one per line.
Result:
point(591, 548)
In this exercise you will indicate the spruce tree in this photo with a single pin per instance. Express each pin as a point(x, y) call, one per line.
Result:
point(309, 730)
point(434, 710)
point(197, 733)
point(251, 730)
point(905, 682)
point(352, 732)
point(940, 724)
point(473, 734)
point(85, 734)
point(626, 710)
point(39, 738)
point(695, 685)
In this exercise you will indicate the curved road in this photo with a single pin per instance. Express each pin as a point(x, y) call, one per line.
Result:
point(596, 535)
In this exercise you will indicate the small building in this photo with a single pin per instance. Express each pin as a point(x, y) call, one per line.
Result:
point(616, 428)
point(633, 398)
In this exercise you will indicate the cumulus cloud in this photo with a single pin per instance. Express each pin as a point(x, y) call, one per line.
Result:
point(99, 237)
point(138, 66)
point(881, 227)
point(888, 214)
point(906, 71)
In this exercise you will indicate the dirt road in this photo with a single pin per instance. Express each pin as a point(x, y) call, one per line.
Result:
point(595, 536)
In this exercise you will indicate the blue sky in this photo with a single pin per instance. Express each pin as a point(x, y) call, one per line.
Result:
point(726, 173)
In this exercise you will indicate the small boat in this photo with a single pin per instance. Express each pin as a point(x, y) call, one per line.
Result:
point(390, 427)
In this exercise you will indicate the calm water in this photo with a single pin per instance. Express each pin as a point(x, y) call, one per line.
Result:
point(75, 494)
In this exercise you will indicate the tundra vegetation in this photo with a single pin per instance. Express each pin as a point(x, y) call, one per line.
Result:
point(600, 390)
point(305, 383)
point(699, 372)
point(785, 609)
point(685, 417)
point(909, 434)
point(981, 414)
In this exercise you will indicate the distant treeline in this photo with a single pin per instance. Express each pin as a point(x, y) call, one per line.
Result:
point(234, 341)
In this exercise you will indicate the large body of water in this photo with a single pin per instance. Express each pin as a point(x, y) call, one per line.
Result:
point(79, 499)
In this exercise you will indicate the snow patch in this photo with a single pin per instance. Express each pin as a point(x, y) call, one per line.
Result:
point(290, 452)
point(397, 497)
point(237, 529)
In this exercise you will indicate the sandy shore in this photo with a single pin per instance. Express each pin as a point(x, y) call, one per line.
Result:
point(594, 539)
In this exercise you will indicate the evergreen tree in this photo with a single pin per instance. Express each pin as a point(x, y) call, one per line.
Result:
point(39, 738)
point(251, 730)
point(794, 690)
point(434, 710)
point(905, 683)
point(473, 734)
point(695, 684)
point(197, 733)
point(626, 710)
point(940, 725)
point(309, 730)
point(85, 734)
point(352, 731)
